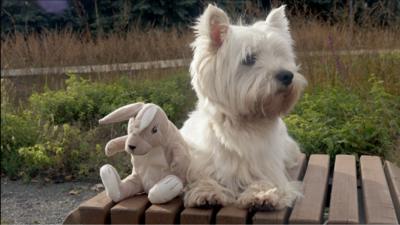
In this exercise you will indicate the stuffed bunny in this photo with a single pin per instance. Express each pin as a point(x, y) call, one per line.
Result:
point(159, 155)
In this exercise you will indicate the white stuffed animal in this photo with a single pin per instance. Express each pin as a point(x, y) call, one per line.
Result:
point(159, 155)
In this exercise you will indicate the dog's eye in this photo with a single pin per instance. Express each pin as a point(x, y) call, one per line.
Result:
point(154, 130)
point(249, 60)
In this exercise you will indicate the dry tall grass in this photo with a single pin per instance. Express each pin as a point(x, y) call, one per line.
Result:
point(313, 35)
point(65, 48)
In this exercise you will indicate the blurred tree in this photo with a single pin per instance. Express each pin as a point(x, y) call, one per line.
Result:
point(26, 17)
point(165, 12)
point(99, 17)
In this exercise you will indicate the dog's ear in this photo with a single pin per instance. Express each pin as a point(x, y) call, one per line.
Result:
point(123, 113)
point(214, 25)
point(277, 18)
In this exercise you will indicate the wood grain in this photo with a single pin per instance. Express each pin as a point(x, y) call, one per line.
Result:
point(96, 209)
point(130, 211)
point(393, 177)
point(344, 199)
point(309, 209)
point(231, 215)
point(73, 217)
point(198, 216)
point(167, 213)
point(379, 208)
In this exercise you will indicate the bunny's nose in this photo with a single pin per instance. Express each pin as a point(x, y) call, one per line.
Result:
point(132, 147)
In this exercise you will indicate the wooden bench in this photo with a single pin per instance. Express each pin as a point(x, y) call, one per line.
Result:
point(339, 193)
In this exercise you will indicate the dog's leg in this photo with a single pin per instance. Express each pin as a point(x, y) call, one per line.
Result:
point(292, 152)
point(264, 196)
point(207, 192)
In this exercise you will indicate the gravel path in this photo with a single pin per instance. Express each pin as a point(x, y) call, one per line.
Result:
point(34, 203)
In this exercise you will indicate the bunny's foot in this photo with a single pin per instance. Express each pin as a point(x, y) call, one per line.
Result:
point(111, 181)
point(165, 190)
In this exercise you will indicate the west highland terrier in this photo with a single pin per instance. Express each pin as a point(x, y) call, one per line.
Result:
point(245, 78)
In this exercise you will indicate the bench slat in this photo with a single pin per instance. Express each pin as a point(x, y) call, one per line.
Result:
point(378, 204)
point(281, 216)
point(130, 211)
point(167, 213)
point(96, 209)
point(309, 209)
point(231, 215)
point(393, 177)
point(73, 217)
point(343, 207)
point(198, 216)
point(297, 172)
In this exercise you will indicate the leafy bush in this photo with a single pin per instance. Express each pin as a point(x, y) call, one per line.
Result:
point(63, 150)
point(59, 134)
point(335, 120)
point(84, 102)
point(16, 131)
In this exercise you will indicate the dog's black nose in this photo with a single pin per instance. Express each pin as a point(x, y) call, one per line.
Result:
point(131, 147)
point(285, 77)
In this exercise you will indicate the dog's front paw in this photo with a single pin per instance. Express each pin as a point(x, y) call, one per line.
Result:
point(202, 199)
point(264, 197)
point(259, 200)
point(207, 194)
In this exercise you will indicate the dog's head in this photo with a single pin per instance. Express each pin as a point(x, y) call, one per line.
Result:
point(245, 71)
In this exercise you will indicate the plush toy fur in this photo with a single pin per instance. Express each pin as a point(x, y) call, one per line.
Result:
point(159, 155)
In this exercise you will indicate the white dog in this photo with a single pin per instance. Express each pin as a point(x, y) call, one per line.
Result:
point(245, 78)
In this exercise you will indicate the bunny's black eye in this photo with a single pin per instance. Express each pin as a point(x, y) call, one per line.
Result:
point(154, 130)
point(249, 60)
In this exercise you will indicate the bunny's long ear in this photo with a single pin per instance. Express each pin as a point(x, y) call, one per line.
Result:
point(123, 113)
point(115, 145)
point(146, 115)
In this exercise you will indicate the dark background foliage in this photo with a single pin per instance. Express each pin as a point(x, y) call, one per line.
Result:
point(98, 17)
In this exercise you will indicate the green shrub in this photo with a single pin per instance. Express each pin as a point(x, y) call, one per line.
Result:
point(63, 150)
point(59, 134)
point(17, 130)
point(84, 102)
point(335, 120)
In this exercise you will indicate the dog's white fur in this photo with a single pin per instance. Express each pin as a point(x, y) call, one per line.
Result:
point(239, 143)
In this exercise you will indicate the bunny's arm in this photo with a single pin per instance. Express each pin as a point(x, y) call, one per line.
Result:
point(115, 145)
